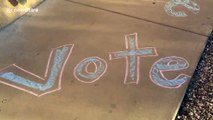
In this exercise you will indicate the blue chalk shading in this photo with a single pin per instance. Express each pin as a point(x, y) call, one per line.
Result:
point(81, 67)
point(54, 72)
point(163, 65)
point(190, 5)
point(133, 53)
point(132, 67)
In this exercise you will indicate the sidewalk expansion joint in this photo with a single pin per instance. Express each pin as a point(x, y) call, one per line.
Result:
point(134, 17)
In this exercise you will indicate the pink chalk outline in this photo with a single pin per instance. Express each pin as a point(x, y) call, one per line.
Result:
point(162, 75)
point(86, 70)
point(138, 59)
point(46, 73)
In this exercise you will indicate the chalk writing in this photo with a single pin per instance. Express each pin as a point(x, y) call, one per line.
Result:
point(82, 74)
point(22, 79)
point(190, 5)
point(52, 74)
point(172, 63)
point(132, 56)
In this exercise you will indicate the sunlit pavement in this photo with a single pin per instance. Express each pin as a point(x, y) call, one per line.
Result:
point(10, 10)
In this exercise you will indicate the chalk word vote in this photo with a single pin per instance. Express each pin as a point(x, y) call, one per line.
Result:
point(25, 80)
point(190, 5)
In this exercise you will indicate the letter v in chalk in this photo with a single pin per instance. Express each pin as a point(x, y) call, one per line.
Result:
point(13, 74)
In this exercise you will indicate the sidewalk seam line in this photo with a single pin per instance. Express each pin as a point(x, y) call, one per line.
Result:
point(138, 18)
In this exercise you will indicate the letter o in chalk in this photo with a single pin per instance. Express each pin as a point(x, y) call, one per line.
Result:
point(82, 74)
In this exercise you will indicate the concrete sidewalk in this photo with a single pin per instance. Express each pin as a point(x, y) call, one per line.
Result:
point(111, 64)
point(199, 21)
point(10, 10)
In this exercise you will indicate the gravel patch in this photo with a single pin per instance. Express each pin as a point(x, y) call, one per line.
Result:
point(198, 101)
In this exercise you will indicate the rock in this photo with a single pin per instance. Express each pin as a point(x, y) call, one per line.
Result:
point(198, 102)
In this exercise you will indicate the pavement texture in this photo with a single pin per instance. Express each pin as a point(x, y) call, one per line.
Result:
point(153, 11)
point(198, 102)
point(104, 59)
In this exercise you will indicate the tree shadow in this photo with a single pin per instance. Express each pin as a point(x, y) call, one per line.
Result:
point(16, 2)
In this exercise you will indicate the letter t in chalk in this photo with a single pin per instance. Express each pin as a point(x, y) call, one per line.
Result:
point(22, 79)
point(132, 55)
